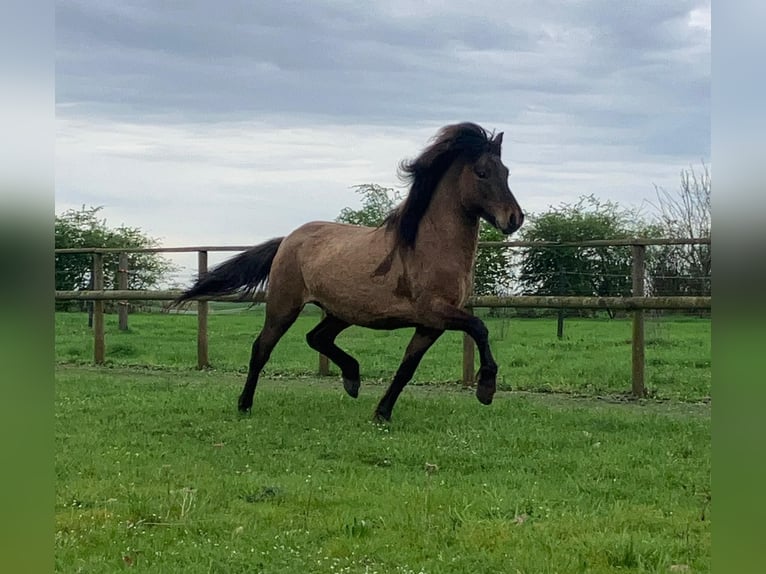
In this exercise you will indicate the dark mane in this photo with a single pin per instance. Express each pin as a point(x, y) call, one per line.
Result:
point(466, 141)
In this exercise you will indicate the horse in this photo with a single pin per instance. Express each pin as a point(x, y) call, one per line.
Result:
point(414, 270)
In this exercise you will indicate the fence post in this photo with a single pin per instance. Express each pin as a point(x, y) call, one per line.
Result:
point(89, 304)
point(469, 350)
point(122, 283)
point(324, 362)
point(560, 322)
point(202, 309)
point(324, 366)
point(98, 310)
point(639, 267)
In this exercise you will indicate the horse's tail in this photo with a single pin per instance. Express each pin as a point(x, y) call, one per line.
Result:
point(245, 272)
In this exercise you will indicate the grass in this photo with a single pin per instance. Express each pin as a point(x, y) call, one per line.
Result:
point(594, 358)
point(157, 473)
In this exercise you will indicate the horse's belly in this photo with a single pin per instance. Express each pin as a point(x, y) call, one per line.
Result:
point(365, 303)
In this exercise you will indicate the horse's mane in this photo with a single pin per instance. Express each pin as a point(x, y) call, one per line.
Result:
point(466, 141)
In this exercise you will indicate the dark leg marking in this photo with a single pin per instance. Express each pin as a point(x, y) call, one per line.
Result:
point(322, 339)
point(272, 332)
point(458, 320)
point(420, 343)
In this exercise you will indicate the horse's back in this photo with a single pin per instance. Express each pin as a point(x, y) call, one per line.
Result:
point(335, 266)
point(325, 243)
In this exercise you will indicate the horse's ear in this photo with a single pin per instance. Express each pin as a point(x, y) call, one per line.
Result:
point(497, 143)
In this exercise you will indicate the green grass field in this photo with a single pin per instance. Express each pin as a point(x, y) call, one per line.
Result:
point(157, 473)
point(594, 358)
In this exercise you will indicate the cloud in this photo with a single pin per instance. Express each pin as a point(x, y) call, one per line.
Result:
point(389, 64)
point(210, 125)
point(263, 178)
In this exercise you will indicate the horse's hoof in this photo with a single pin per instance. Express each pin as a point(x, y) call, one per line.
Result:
point(351, 386)
point(243, 407)
point(485, 394)
point(381, 418)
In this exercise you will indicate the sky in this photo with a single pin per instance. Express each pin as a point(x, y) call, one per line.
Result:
point(212, 123)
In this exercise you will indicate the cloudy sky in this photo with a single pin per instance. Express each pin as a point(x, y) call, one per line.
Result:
point(233, 122)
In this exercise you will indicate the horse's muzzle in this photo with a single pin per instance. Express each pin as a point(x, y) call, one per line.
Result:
point(514, 223)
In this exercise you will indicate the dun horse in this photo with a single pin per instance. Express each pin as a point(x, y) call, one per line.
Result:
point(415, 270)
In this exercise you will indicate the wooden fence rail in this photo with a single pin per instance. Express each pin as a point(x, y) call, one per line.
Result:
point(482, 244)
point(637, 303)
point(676, 303)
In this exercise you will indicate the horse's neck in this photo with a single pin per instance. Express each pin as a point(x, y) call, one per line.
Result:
point(447, 232)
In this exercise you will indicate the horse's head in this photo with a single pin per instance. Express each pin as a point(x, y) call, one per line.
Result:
point(485, 192)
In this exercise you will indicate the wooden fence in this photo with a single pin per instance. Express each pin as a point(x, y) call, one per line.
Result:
point(637, 303)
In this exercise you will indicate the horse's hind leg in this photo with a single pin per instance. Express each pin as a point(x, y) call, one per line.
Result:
point(277, 322)
point(420, 343)
point(322, 339)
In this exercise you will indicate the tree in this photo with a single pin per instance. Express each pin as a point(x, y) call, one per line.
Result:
point(685, 213)
point(377, 203)
point(491, 272)
point(78, 228)
point(584, 271)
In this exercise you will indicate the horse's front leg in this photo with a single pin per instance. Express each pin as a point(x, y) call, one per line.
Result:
point(449, 317)
point(420, 343)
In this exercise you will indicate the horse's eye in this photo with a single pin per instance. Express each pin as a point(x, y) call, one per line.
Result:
point(481, 174)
